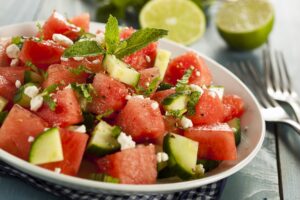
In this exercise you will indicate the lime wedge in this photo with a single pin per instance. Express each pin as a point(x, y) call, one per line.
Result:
point(245, 24)
point(184, 20)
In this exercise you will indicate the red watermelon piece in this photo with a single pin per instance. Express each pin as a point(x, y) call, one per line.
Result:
point(233, 107)
point(131, 166)
point(141, 120)
point(110, 94)
point(8, 77)
point(216, 141)
point(67, 111)
point(4, 59)
point(93, 63)
point(61, 74)
point(82, 21)
point(19, 125)
point(147, 76)
point(57, 23)
point(177, 67)
point(42, 54)
point(209, 109)
point(143, 58)
point(73, 145)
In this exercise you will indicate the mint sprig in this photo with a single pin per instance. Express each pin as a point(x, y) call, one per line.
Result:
point(112, 38)
point(83, 49)
point(182, 84)
point(192, 102)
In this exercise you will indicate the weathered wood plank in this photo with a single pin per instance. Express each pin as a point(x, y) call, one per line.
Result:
point(15, 11)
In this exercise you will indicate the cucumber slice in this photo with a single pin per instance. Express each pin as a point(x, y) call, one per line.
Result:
point(161, 62)
point(209, 164)
point(175, 102)
point(235, 124)
point(3, 103)
point(182, 153)
point(103, 140)
point(46, 148)
point(21, 98)
point(120, 71)
point(32, 77)
point(218, 89)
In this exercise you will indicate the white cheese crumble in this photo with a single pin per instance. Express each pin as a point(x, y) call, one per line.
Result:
point(14, 62)
point(200, 169)
point(139, 96)
point(192, 67)
point(196, 88)
point(64, 59)
point(154, 105)
point(18, 84)
point(78, 58)
point(128, 97)
point(31, 91)
point(36, 102)
point(30, 139)
point(99, 38)
point(68, 87)
point(147, 84)
point(81, 129)
point(148, 59)
point(186, 123)
point(46, 129)
point(197, 73)
point(57, 170)
point(162, 157)
point(213, 94)
point(62, 40)
point(12, 51)
point(125, 141)
point(97, 61)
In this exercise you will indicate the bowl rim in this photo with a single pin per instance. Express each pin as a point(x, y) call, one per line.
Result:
point(85, 184)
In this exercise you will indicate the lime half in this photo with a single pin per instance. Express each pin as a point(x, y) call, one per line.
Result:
point(183, 18)
point(245, 24)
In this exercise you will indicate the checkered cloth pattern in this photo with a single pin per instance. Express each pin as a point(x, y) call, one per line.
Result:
point(207, 192)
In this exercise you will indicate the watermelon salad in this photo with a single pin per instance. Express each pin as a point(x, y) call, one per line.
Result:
point(115, 101)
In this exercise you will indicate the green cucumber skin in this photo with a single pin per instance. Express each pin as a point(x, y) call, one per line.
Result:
point(174, 166)
point(100, 151)
point(236, 123)
point(169, 99)
point(3, 103)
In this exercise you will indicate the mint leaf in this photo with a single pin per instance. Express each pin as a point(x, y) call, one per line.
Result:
point(192, 102)
point(84, 90)
point(150, 89)
point(164, 86)
point(182, 84)
point(79, 70)
point(140, 39)
point(83, 49)
point(50, 89)
point(105, 114)
point(41, 32)
point(18, 40)
point(50, 102)
point(112, 38)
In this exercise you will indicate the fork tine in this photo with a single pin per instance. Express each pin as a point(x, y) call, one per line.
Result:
point(286, 81)
point(268, 67)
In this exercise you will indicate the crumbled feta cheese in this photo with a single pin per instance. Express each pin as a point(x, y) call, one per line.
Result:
point(233, 129)
point(128, 97)
point(196, 88)
point(154, 105)
point(97, 61)
point(186, 123)
point(36, 102)
point(148, 59)
point(57, 170)
point(64, 59)
point(12, 51)
point(81, 129)
point(199, 169)
point(62, 40)
point(197, 73)
point(31, 91)
point(14, 62)
point(192, 67)
point(125, 141)
point(162, 157)
point(139, 96)
point(18, 84)
point(213, 94)
point(78, 58)
point(99, 38)
point(46, 129)
point(30, 139)
point(147, 84)
point(67, 87)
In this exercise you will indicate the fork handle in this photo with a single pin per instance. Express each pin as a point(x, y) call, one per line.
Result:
point(295, 125)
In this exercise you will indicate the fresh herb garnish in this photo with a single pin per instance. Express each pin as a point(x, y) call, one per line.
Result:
point(83, 49)
point(84, 90)
point(150, 89)
point(32, 66)
point(164, 86)
point(103, 178)
point(105, 114)
point(182, 84)
point(40, 31)
point(80, 69)
point(192, 102)
point(47, 97)
point(112, 38)
point(18, 40)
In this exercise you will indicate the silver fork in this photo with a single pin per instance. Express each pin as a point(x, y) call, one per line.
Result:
point(271, 110)
point(278, 82)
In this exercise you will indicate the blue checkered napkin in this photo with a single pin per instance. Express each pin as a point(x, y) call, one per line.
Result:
point(207, 192)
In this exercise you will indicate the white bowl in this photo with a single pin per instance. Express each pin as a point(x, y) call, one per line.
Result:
point(251, 142)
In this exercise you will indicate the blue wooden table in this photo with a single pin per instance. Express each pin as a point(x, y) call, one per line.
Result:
point(275, 171)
